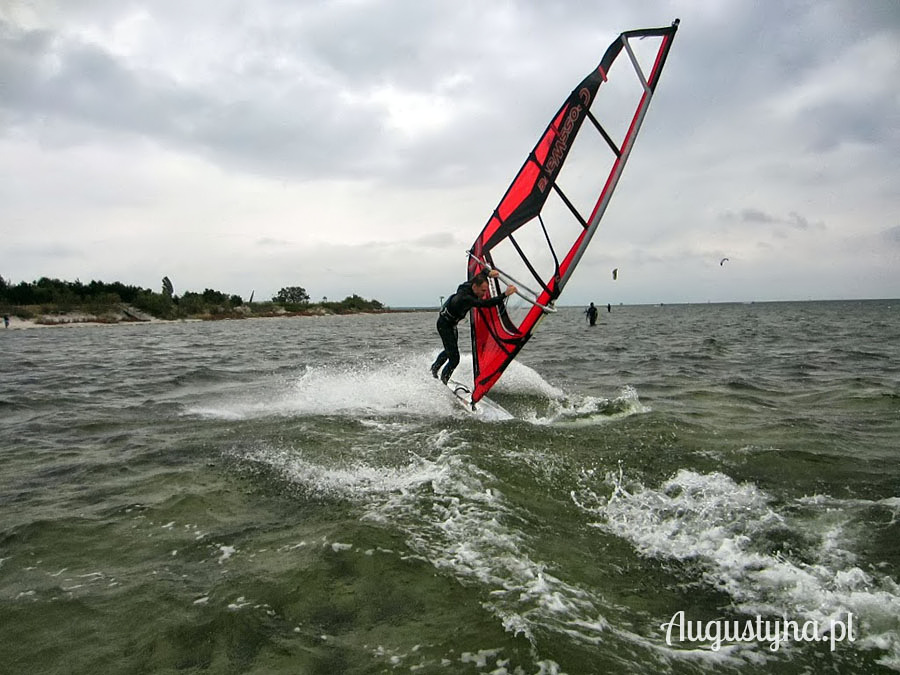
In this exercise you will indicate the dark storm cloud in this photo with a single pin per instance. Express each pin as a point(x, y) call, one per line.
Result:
point(53, 78)
point(732, 68)
point(291, 92)
point(298, 129)
point(291, 96)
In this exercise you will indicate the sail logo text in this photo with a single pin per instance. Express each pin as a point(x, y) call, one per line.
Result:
point(561, 146)
point(773, 632)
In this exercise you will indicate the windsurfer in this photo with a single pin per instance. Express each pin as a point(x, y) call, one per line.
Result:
point(472, 293)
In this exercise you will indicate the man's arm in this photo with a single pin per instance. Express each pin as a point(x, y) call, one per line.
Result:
point(496, 300)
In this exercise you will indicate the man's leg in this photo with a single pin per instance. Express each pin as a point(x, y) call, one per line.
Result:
point(436, 366)
point(450, 338)
point(443, 356)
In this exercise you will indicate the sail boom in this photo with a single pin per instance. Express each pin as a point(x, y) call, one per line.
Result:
point(504, 277)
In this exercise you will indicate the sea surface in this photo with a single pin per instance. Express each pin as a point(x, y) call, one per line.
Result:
point(298, 495)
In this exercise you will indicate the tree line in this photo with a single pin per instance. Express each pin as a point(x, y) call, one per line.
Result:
point(57, 296)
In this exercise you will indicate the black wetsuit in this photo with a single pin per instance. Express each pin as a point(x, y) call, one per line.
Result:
point(455, 310)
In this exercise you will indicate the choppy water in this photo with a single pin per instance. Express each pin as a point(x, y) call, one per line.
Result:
point(299, 496)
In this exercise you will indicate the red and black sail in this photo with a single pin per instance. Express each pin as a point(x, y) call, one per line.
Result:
point(534, 249)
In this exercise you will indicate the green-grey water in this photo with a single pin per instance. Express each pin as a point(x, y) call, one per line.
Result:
point(299, 496)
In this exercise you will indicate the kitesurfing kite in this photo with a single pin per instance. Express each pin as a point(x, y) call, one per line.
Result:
point(615, 274)
point(543, 224)
point(722, 262)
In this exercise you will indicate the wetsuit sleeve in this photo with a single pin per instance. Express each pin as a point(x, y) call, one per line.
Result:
point(490, 302)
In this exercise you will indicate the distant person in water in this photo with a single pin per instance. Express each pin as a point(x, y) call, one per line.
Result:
point(6, 320)
point(608, 307)
point(473, 293)
point(591, 313)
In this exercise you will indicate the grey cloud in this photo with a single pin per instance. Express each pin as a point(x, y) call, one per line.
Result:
point(871, 122)
point(285, 90)
point(436, 240)
point(755, 216)
point(800, 222)
point(270, 241)
point(284, 104)
point(50, 250)
point(891, 236)
point(748, 215)
point(305, 132)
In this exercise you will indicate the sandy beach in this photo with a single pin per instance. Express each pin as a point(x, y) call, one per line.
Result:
point(72, 321)
point(125, 314)
point(134, 316)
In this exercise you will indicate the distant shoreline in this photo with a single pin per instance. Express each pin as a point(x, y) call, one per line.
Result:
point(127, 315)
point(132, 317)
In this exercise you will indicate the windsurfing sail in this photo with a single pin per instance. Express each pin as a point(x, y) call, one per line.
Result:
point(545, 220)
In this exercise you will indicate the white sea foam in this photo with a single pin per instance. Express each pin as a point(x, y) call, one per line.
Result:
point(464, 527)
point(217, 413)
point(338, 547)
point(357, 480)
point(225, 552)
point(585, 410)
point(401, 386)
point(453, 516)
point(523, 380)
point(404, 386)
point(566, 408)
point(891, 504)
point(239, 603)
point(726, 529)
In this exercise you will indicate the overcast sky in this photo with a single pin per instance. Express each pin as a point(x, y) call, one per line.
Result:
point(358, 146)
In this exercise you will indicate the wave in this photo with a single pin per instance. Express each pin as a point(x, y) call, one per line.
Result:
point(793, 560)
point(403, 386)
point(450, 514)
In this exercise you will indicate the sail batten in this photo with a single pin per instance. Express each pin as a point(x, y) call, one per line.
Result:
point(543, 204)
point(602, 132)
